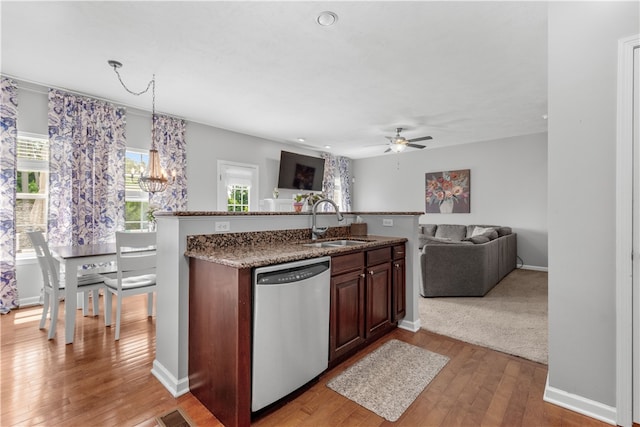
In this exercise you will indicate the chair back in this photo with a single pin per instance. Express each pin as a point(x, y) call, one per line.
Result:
point(48, 266)
point(136, 254)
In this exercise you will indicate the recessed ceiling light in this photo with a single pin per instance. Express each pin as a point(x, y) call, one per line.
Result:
point(327, 146)
point(327, 18)
point(301, 139)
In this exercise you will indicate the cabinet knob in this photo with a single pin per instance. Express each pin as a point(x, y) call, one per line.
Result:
point(397, 265)
point(371, 272)
point(362, 275)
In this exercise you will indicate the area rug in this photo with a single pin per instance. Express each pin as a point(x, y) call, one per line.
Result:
point(174, 418)
point(511, 318)
point(390, 378)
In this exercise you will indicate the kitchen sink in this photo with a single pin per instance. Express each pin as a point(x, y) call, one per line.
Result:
point(335, 243)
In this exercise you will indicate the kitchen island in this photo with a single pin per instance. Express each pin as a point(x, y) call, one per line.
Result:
point(172, 322)
point(222, 298)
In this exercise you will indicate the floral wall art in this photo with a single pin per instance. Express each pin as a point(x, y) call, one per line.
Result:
point(448, 192)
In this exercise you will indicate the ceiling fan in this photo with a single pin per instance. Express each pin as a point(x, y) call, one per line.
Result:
point(398, 143)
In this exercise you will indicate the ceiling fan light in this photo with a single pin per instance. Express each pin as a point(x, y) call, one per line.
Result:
point(398, 148)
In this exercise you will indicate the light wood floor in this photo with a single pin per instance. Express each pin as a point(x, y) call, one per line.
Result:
point(99, 382)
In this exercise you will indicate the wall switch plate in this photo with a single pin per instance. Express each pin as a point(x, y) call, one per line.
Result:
point(387, 222)
point(223, 226)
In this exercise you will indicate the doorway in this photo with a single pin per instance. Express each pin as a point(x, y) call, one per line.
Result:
point(237, 187)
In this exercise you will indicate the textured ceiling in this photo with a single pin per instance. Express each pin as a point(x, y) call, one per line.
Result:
point(458, 71)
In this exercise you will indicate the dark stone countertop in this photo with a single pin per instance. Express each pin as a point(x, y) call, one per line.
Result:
point(257, 249)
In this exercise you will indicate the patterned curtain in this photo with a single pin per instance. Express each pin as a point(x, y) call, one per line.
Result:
point(337, 167)
point(328, 181)
point(8, 179)
point(172, 148)
point(344, 171)
point(86, 180)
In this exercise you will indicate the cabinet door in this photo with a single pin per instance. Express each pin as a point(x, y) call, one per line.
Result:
point(378, 314)
point(399, 290)
point(346, 325)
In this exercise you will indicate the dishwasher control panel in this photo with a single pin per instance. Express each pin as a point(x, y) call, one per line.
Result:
point(289, 275)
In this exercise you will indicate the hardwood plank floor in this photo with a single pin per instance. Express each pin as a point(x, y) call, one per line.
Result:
point(99, 382)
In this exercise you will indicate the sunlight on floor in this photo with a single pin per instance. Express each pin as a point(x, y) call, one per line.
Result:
point(27, 315)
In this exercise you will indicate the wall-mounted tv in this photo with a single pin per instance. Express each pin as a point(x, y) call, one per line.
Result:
point(300, 172)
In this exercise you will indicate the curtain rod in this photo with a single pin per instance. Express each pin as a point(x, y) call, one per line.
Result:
point(44, 90)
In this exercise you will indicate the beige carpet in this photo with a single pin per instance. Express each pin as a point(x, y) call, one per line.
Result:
point(511, 318)
point(389, 379)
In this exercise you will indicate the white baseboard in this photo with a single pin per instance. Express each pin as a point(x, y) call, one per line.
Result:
point(29, 302)
point(534, 268)
point(410, 326)
point(176, 387)
point(579, 404)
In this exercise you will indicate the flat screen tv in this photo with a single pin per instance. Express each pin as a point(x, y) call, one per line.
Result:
point(300, 172)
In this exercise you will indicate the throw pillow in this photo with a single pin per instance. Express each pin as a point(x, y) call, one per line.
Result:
point(478, 231)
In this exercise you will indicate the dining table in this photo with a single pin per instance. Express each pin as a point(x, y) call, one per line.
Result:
point(73, 258)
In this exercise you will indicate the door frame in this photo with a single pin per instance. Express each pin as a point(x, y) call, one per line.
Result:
point(624, 233)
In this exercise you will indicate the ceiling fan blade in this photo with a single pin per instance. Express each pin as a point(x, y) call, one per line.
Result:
point(415, 145)
point(424, 138)
point(387, 150)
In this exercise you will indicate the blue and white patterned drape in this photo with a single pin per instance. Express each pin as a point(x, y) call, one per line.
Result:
point(8, 177)
point(335, 166)
point(86, 181)
point(172, 148)
point(344, 171)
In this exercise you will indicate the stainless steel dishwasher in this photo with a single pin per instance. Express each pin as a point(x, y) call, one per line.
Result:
point(290, 328)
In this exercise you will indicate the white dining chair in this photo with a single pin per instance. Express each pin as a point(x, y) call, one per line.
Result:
point(135, 275)
point(53, 285)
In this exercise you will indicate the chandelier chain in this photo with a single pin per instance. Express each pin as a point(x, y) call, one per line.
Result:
point(152, 82)
point(152, 85)
point(154, 179)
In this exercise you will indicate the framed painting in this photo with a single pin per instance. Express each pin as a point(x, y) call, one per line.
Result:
point(448, 191)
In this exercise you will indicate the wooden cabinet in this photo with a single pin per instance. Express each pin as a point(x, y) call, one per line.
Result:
point(347, 313)
point(399, 291)
point(346, 322)
point(378, 291)
point(362, 300)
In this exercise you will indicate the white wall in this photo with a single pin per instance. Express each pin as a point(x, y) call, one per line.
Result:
point(508, 186)
point(206, 145)
point(582, 158)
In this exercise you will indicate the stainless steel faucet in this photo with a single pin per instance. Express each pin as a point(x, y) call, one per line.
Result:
point(319, 231)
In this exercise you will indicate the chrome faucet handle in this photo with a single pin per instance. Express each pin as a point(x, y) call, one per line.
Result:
point(318, 232)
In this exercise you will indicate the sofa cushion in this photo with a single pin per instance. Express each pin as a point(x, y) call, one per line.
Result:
point(479, 239)
point(504, 231)
point(428, 240)
point(429, 229)
point(451, 231)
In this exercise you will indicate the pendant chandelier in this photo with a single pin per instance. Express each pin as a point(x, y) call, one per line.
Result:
point(154, 179)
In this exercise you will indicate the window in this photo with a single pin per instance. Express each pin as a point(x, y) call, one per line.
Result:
point(238, 198)
point(31, 188)
point(237, 187)
point(136, 201)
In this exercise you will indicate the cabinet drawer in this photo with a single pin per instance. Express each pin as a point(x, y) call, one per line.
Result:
point(349, 262)
point(398, 251)
point(378, 256)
